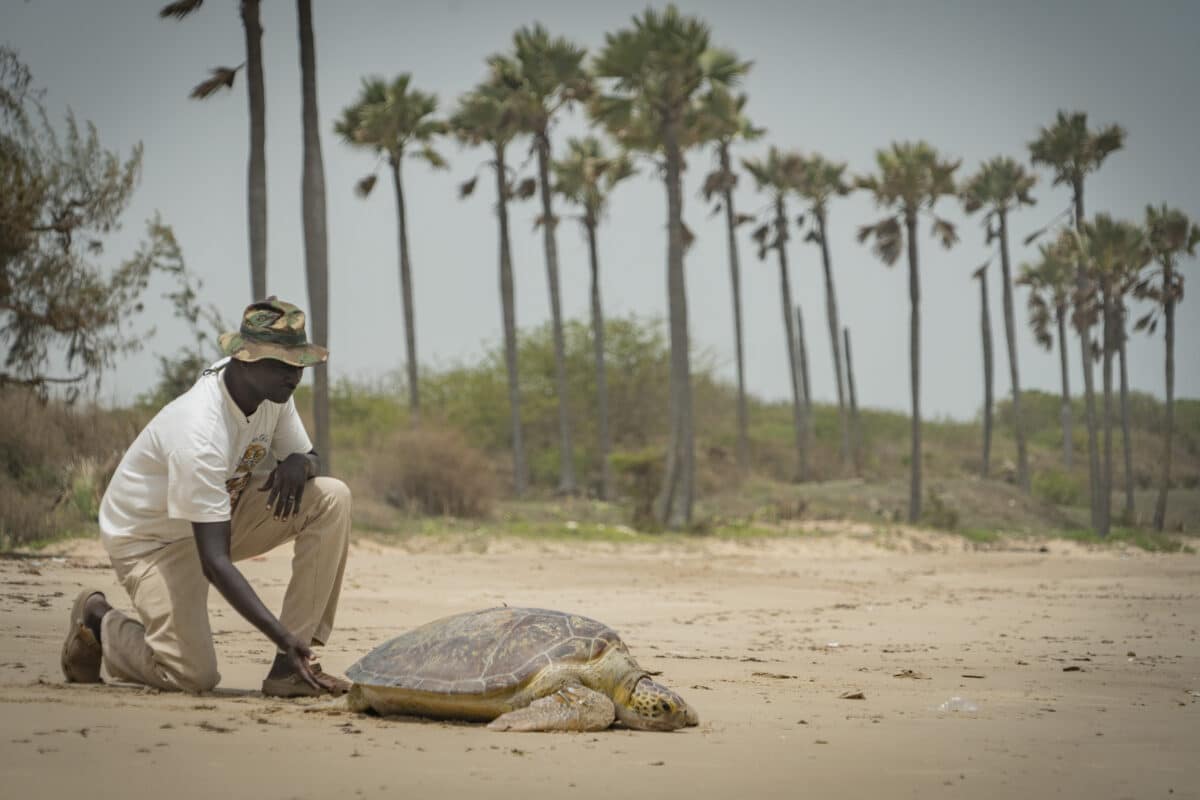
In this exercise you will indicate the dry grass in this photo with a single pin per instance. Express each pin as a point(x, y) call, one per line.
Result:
point(55, 461)
point(432, 471)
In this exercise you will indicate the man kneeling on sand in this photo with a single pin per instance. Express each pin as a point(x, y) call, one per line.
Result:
point(177, 514)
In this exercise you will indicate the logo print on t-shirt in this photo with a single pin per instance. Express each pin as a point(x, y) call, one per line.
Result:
point(241, 476)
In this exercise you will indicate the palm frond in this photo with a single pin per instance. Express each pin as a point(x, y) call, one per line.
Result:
point(365, 184)
point(221, 77)
point(945, 232)
point(179, 9)
point(889, 239)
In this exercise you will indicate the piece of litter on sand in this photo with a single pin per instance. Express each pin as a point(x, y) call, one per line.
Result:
point(973, 676)
point(913, 674)
point(779, 675)
point(852, 695)
point(957, 703)
point(1072, 668)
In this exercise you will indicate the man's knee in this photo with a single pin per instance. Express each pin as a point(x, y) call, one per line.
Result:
point(193, 678)
point(334, 493)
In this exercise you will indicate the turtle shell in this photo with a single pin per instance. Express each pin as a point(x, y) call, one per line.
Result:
point(483, 652)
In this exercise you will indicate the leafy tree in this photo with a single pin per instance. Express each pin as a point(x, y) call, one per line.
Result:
point(1171, 236)
point(819, 181)
point(547, 75)
point(586, 178)
point(659, 68)
point(486, 117)
point(912, 177)
point(256, 178)
point(1000, 186)
point(64, 317)
point(394, 121)
point(316, 242)
point(725, 123)
point(1073, 152)
point(777, 175)
point(1050, 280)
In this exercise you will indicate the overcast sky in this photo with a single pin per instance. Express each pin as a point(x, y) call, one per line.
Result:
point(975, 79)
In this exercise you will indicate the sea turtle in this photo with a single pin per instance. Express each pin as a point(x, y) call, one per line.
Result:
point(521, 669)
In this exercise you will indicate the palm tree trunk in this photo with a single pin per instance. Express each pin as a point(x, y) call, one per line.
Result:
point(674, 505)
point(785, 293)
point(743, 440)
point(831, 314)
point(1083, 288)
point(406, 295)
point(985, 325)
point(856, 445)
point(1010, 335)
point(256, 177)
point(1126, 443)
point(805, 383)
point(316, 243)
point(1107, 421)
point(1065, 413)
point(566, 468)
point(604, 437)
point(1160, 505)
point(509, 314)
point(914, 355)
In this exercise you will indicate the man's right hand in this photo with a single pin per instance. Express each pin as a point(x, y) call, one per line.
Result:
point(299, 657)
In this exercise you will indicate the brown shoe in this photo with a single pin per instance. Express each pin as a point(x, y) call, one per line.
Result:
point(295, 686)
point(81, 653)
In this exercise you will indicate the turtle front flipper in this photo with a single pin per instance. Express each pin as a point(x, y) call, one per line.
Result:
point(571, 708)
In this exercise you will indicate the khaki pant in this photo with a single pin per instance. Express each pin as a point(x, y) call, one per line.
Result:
point(171, 648)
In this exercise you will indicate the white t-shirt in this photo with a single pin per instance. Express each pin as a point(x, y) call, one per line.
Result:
point(191, 464)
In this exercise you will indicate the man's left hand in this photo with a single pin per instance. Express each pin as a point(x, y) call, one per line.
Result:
point(285, 485)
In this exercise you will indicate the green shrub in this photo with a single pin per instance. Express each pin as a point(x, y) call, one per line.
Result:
point(937, 513)
point(433, 471)
point(1057, 487)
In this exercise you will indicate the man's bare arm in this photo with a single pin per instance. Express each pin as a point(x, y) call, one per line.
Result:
point(213, 542)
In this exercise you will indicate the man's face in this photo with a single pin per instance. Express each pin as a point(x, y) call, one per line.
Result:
point(273, 379)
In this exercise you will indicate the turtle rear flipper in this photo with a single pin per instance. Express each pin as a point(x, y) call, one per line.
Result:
point(571, 708)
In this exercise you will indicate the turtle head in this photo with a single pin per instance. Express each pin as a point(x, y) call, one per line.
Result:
point(654, 707)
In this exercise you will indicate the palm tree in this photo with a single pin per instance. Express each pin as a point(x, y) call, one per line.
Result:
point(586, 178)
point(856, 427)
point(1049, 281)
point(256, 177)
point(778, 175)
point(821, 180)
point(1171, 235)
point(1001, 186)
point(547, 76)
point(1073, 151)
point(485, 116)
point(725, 121)
point(394, 120)
point(985, 328)
point(1110, 251)
point(316, 242)
point(658, 68)
point(911, 179)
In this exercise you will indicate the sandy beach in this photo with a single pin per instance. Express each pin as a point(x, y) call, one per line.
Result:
point(820, 667)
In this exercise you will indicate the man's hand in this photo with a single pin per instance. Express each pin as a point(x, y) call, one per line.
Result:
point(285, 485)
point(300, 657)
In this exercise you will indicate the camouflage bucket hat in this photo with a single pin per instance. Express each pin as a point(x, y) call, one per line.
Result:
point(274, 329)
